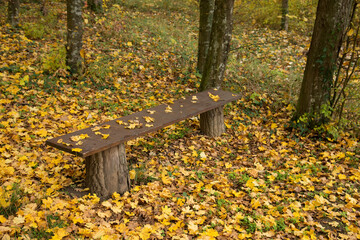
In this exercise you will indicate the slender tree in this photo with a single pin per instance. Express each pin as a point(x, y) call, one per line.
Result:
point(212, 122)
point(95, 5)
point(13, 12)
point(332, 19)
point(205, 23)
point(74, 36)
point(284, 13)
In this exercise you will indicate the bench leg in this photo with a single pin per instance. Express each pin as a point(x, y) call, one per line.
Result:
point(212, 122)
point(107, 172)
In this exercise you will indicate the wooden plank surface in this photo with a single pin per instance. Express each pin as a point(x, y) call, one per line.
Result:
point(139, 123)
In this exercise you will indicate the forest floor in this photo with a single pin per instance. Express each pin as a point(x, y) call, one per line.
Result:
point(257, 181)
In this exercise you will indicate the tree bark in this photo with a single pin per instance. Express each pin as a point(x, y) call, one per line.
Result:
point(107, 172)
point(284, 13)
point(332, 20)
point(13, 12)
point(74, 36)
point(205, 23)
point(95, 5)
point(212, 122)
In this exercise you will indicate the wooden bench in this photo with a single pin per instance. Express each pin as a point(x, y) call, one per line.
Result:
point(103, 147)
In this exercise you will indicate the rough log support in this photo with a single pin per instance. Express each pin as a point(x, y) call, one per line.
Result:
point(107, 172)
point(212, 122)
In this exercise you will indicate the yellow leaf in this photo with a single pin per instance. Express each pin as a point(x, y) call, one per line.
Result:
point(106, 127)
point(24, 80)
point(255, 203)
point(148, 119)
point(97, 128)
point(60, 234)
point(146, 232)
point(2, 219)
point(261, 148)
point(168, 109)
point(19, 220)
point(82, 53)
point(149, 125)
point(13, 89)
point(215, 98)
point(151, 111)
point(193, 228)
point(350, 32)
point(342, 176)
point(165, 179)
point(274, 125)
point(105, 136)
point(132, 174)
point(76, 149)
point(129, 44)
point(166, 210)
point(41, 132)
point(212, 233)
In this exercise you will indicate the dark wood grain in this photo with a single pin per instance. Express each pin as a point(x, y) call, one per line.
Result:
point(181, 109)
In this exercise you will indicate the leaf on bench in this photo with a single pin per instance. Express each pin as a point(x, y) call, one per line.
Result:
point(79, 137)
point(120, 122)
point(168, 109)
point(105, 136)
point(62, 142)
point(149, 125)
point(95, 129)
point(151, 111)
point(76, 149)
point(214, 97)
point(134, 124)
point(194, 99)
point(148, 119)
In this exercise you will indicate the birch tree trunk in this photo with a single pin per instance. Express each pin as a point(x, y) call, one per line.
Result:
point(74, 36)
point(332, 19)
point(212, 122)
point(205, 23)
point(13, 12)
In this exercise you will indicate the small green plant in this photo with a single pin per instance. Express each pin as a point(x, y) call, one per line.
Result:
point(55, 221)
point(250, 226)
point(243, 178)
point(12, 200)
point(141, 177)
point(54, 59)
point(200, 174)
point(280, 225)
point(36, 233)
point(34, 31)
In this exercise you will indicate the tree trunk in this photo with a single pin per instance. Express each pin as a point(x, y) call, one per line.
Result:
point(13, 12)
point(107, 172)
point(212, 122)
point(95, 5)
point(284, 13)
point(332, 20)
point(74, 36)
point(205, 23)
point(43, 8)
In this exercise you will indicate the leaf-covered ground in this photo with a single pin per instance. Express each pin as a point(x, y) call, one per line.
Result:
point(257, 181)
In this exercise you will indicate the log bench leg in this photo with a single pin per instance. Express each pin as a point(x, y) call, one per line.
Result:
point(107, 172)
point(212, 122)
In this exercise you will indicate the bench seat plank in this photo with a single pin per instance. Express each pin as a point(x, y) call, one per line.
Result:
point(162, 115)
